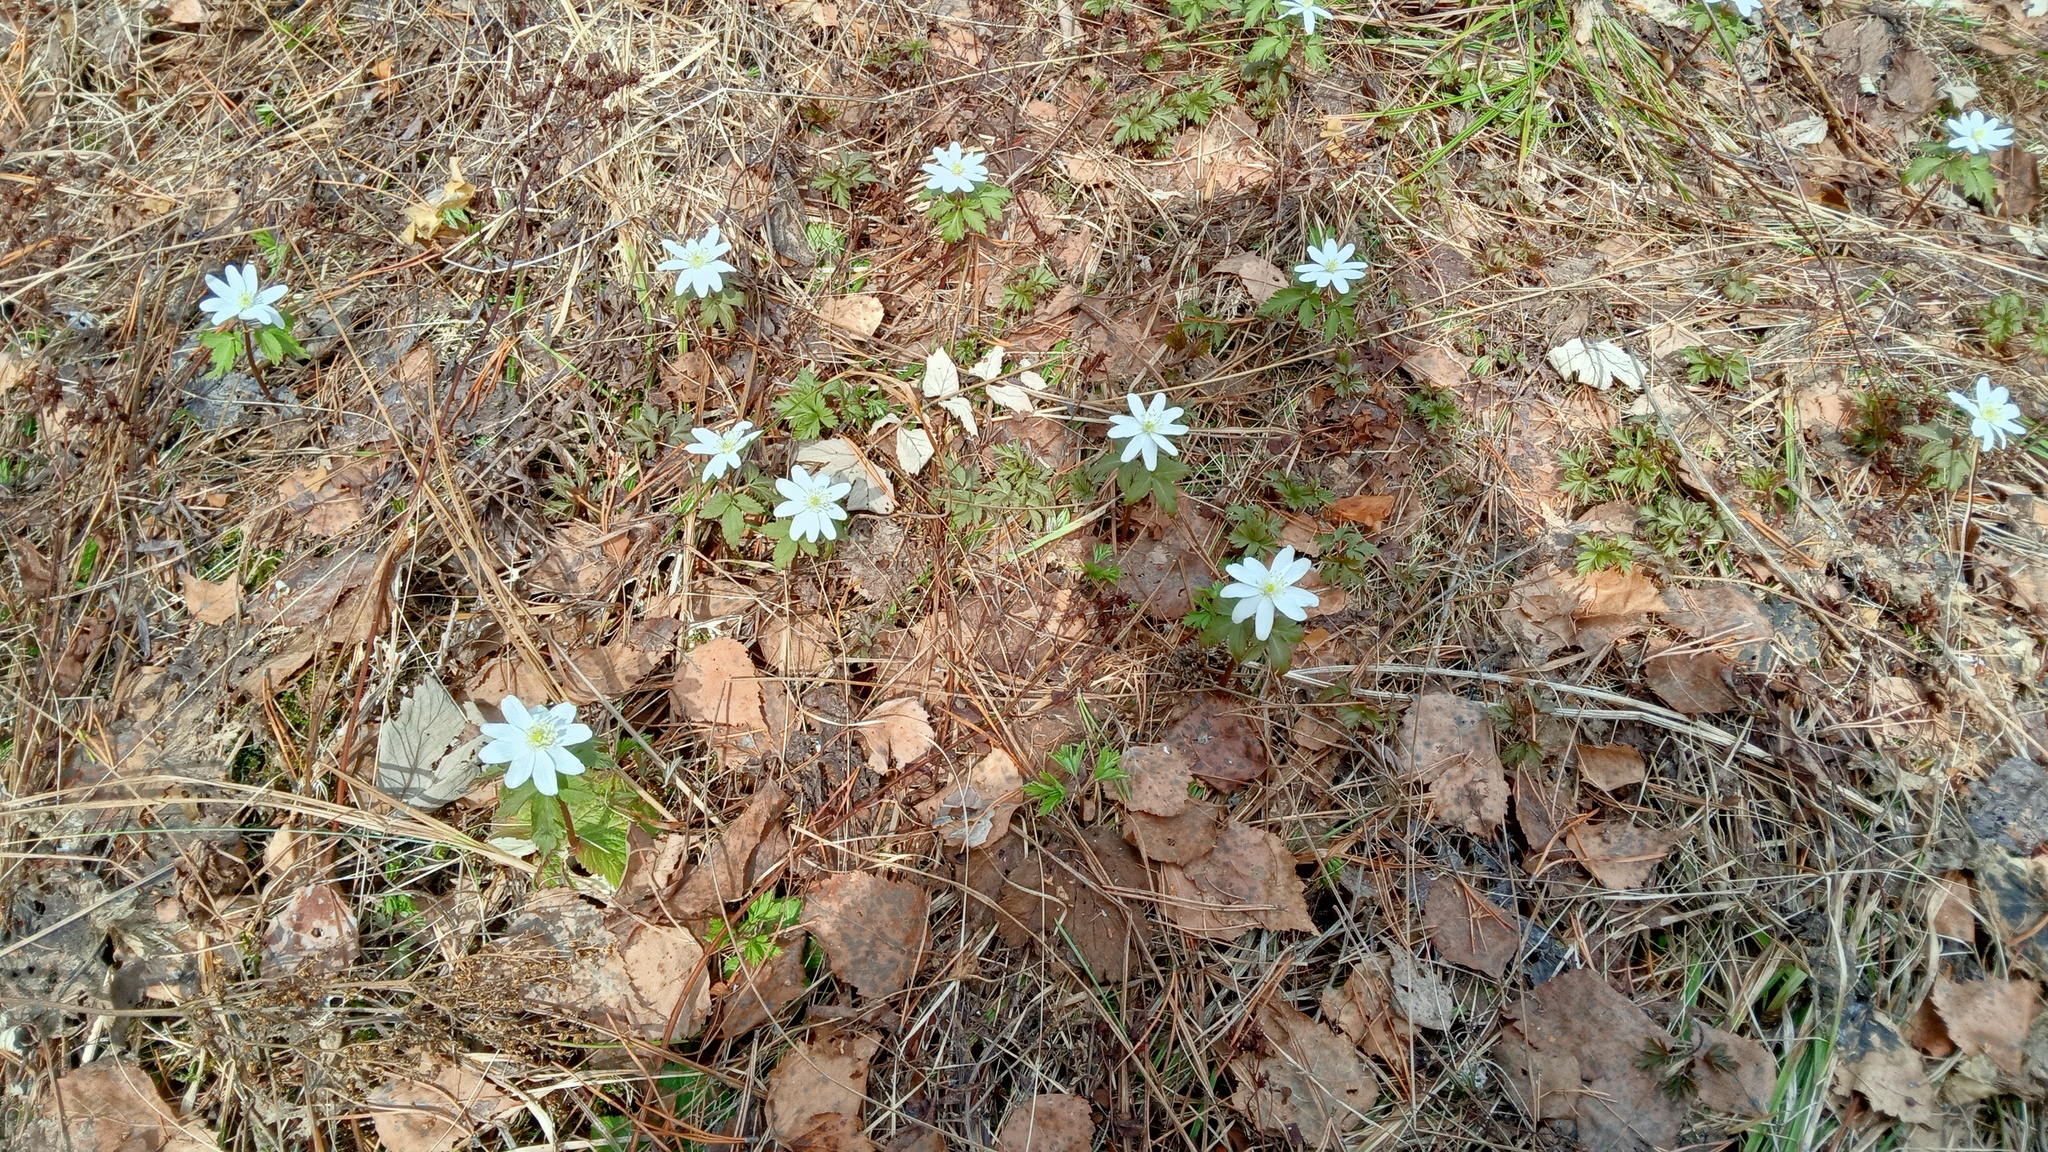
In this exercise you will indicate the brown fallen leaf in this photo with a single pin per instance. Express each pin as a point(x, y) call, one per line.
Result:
point(110, 1105)
point(1176, 839)
point(1541, 807)
point(211, 603)
point(799, 645)
point(1688, 680)
point(1368, 510)
point(1252, 870)
point(816, 1095)
point(1924, 1030)
point(329, 501)
point(724, 874)
point(871, 927)
point(758, 993)
point(1610, 767)
point(1720, 615)
point(1448, 743)
point(1735, 1075)
point(1435, 366)
point(425, 219)
point(1048, 1122)
point(1218, 742)
point(1159, 781)
point(860, 315)
point(436, 1109)
point(896, 734)
point(619, 973)
point(1552, 608)
point(1618, 1105)
point(1622, 856)
point(582, 560)
point(1259, 276)
point(1544, 1085)
point(616, 667)
point(1468, 930)
point(1222, 157)
point(1363, 1009)
point(1888, 1073)
point(1055, 899)
point(716, 684)
point(975, 810)
point(1951, 907)
point(1988, 1016)
point(315, 934)
point(1306, 1083)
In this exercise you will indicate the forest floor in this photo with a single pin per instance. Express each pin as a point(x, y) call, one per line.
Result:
point(1660, 765)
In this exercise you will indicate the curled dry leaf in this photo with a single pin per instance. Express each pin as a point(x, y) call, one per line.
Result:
point(1258, 274)
point(1308, 1084)
point(975, 811)
point(1159, 781)
point(436, 1109)
point(725, 873)
point(1622, 856)
point(860, 315)
point(871, 927)
point(1468, 930)
point(896, 734)
point(111, 1105)
point(1552, 608)
point(1048, 1122)
point(816, 1094)
point(758, 993)
point(1363, 1009)
point(423, 218)
point(1368, 510)
point(1218, 742)
point(1988, 1016)
point(315, 934)
point(1602, 363)
point(1448, 743)
point(1254, 870)
point(840, 459)
point(1610, 767)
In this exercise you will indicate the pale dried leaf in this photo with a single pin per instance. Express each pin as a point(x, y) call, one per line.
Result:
point(817, 1092)
point(211, 603)
point(860, 315)
point(1448, 743)
point(1744, 1090)
point(1420, 994)
point(989, 366)
point(1048, 1122)
point(716, 683)
point(1435, 366)
point(1258, 274)
point(1618, 1105)
point(1621, 855)
point(627, 976)
point(1014, 398)
point(1363, 1009)
point(1159, 781)
point(1308, 1085)
point(110, 1105)
point(1989, 1016)
point(1468, 930)
point(435, 1110)
point(897, 733)
point(423, 217)
point(975, 810)
point(1889, 1074)
point(1602, 363)
point(417, 760)
point(1610, 767)
point(871, 927)
point(841, 460)
point(314, 934)
point(1251, 872)
point(1368, 510)
point(914, 449)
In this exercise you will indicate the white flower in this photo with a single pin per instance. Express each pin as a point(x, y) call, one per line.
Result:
point(724, 448)
point(1331, 267)
point(1266, 590)
point(238, 294)
point(1307, 11)
point(697, 265)
point(951, 170)
point(1976, 133)
point(1744, 8)
point(535, 744)
point(1993, 415)
point(812, 504)
point(1149, 429)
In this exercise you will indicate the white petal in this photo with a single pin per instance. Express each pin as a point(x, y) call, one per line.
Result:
point(499, 751)
point(575, 734)
point(516, 713)
point(519, 772)
point(565, 762)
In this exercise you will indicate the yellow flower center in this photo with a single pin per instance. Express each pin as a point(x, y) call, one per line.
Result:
point(543, 734)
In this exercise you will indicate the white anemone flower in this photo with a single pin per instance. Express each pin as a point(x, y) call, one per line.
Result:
point(1976, 133)
point(1993, 415)
point(951, 170)
point(724, 448)
point(535, 745)
point(1307, 11)
point(1149, 429)
point(1744, 8)
point(1267, 589)
point(812, 504)
point(697, 265)
point(1330, 266)
point(239, 294)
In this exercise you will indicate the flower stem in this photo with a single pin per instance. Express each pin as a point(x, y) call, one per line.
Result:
point(255, 369)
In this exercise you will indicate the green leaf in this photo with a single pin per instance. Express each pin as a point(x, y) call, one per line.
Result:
point(222, 347)
point(1920, 169)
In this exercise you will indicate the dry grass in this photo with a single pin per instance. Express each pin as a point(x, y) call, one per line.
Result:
point(1515, 184)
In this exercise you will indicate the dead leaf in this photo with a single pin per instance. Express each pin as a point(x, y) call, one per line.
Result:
point(582, 560)
point(1951, 907)
point(1619, 855)
point(1448, 743)
point(314, 934)
point(1177, 839)
point(1618, 1105)
point(187, 12)
point(1368, 510)
point(1164, 574)
point(871, 927)
point(328, 502)
point(896, 734)
point(211, 603)
point(424, 220)
point(1552, 608)
point(799, 645)
point(1058, 899)
point(1602, 363)
point(1434, 366)
point(843, 461)
point(1890, 1075)
point(1048, 1122)
point(1259, 276)
point(816, 1094)
point(724, 874)
point(1306, 1084)
point(616, 667)
point(1720, 615)
point(1744, 1090)
point(1610, 767)
point(1989, 1016)
point(716, 684)
point(1689, 680)
point(1159, 780)
point(623, 974)
point(1251, 872)
point(1363, 1009)
point(1468, 930)
point(975, 811)
point(941, 384)
point(111, 1105)
point(759, 993)
point(860, 315)
point(1222, 157)
point(1218, 741)
point(418, 761)
point(1924, 1030)
point(914, 449)
point(1544, 1085)
point(436, 1109)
